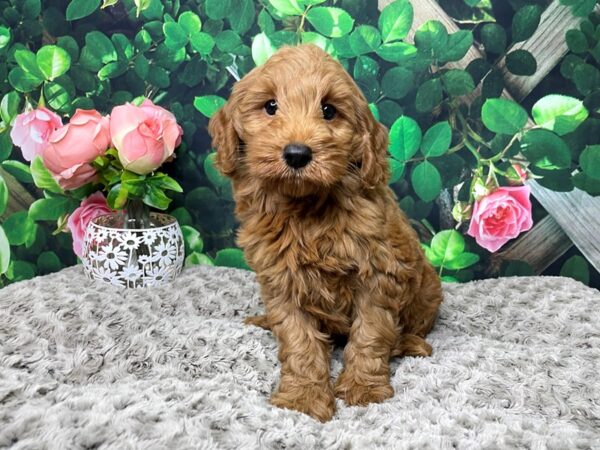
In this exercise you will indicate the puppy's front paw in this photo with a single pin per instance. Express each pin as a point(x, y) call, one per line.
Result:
point(349, 389)
point(316, 400)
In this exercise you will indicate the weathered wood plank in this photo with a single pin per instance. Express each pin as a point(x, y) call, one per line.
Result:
point(539, 247)
point(18, 197)
point(547, 45)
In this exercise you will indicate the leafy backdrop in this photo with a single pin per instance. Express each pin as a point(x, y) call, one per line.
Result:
point(449, 134)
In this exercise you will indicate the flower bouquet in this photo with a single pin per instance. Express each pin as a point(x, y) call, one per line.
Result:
point(116, 236)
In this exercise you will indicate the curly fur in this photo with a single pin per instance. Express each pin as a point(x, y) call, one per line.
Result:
point(333, 253)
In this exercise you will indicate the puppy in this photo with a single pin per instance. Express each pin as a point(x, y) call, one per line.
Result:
point(333, 253)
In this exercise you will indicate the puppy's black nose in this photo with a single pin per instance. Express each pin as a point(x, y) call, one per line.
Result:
point(297, 155)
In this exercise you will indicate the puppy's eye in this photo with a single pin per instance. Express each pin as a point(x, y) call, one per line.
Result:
point(271, 107)
point(329, 111)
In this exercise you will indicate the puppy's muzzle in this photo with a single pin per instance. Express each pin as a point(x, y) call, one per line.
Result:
point(297, 155)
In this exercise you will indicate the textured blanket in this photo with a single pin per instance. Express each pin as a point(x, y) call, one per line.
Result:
point(84, 365)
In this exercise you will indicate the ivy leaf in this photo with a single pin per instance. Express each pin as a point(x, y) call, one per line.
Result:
point(458, 82)
point(330, 21)
point(429, 95)
point(431, 36)
point(395, 20)
point(365, 39)
point(175, 35)
point(190, 22)
point(503, 116)
point(545, 150)
point(397, 52)
point(209, 104)
point(396, 170)
point(405, 138)
point(53, 61)
point(231, 257)
point(426, 181)
point(202, 42)
point(559, 113)
point(458, 45)
point(78, 9)
point(525, 22)
point(521, 62)
point(218, 9)
point(241, 18)
point(262, 49)
point(590, 161)
point(437, 139)
point(287, 7)
point(397, 82)
point(493, 37)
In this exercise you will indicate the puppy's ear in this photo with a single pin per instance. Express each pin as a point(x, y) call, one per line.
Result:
point(374, 165)
point(224, 140)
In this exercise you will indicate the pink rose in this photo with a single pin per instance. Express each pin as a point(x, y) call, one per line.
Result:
point(90, 208)
point(501, 216)
point(73, 147)
point(145, 136)
point(31, 131)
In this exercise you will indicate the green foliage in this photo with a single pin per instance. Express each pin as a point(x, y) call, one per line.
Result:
point(449, 130)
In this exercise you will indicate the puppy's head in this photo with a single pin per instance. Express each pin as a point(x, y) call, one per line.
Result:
point(299, 124)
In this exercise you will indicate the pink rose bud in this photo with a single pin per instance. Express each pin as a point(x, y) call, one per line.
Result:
point(31, 131)
point(90, 208)
point(501, 216)
point(73, 147)
point(145, 136)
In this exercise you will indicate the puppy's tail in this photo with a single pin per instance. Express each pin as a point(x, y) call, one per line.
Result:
point(411, 345)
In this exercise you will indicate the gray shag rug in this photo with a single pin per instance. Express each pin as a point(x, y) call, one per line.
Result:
point(84, 365)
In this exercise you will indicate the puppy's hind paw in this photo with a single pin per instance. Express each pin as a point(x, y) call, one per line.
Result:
point(316, 401)
point(258, 321)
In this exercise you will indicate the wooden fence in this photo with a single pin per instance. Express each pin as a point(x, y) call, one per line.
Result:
point(574, 217)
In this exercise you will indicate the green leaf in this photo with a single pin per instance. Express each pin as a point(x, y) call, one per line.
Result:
point(50, 208)
point(19, 228)
point(586, 78)
point(209, 104)
point(576, 267)
point(23, 81)
point(202, 42)
point(53, 61)
point(4, 251)
point(6, 145)
point(262, 49)
point(18, 170)
point(42, 178)
point(426, 181)
point(437, 139)
point(59, 93)
point(432, 36)
point(545, 150)
point(28, 62)
point(198, 259)
point(142, 41)
point(117, 196)
point(192, 239)
point(521, 62)
point(175, 35)
point(582, 8)
point(78, 9)
point(587, 184)
point(365, 39)
point(287, 7)
point(493, 37)
point(217, 9)
point(190, 22)
point(525, 22)
point(458, 45)
point(559, 113)
point(448, 245)
point(48, 262)
point(462, 261)
point(576, 41)
point(458, 82)
point(9, 107)
point(3, 195)
point(396, 170)
point(98, 50)
point(265, 22)
point(20, 271)
point(429, 95)
point(4, 37)
point(395, 20)
point(503, 116)
point(228, 41)
point(330, 21)
point(241, 18)
point(397, 82)
point(156, 198)
point(590, 161)
point(231, 257)
point(405, 138)
point(397, 52)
